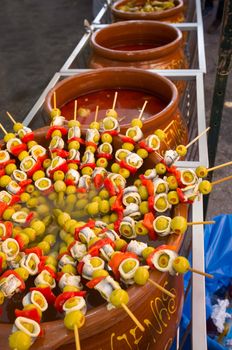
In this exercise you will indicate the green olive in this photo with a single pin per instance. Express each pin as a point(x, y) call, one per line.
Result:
point(137, 183)
point(181, 264)
point(104, 194)
point(128, 146)
point(92, 208)
point(141, 276)
point(74, 318)
point(137, 122)
point(160, 134)
point(106, 138)
point(128, 265)
point(124, 173)
point(181, 150)
point(161, 223)
point(104, 207)
point(172, 182)
point(173, 197)
point(102, 162)
point(147, 251)
point(119, 297)
point(143, 192)
point(144, 208)
point(115, 167)
point(161, 203)
point(142, 153)
point(179, 225)
point(201, 171)
point(163, 260)
point(100, 273)
point(140, 229)
point(205, 187)
point(19, 340)
point(161, 188)
point(160, 168)
point(119, 244)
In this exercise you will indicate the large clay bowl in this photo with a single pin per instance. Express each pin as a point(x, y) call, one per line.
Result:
point(140, 44)
point(174, 15)
point(109, 330)
point(123, 79)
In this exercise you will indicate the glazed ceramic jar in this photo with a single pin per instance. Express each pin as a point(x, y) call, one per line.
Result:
point(140, 44)
point(110, 330)
point(174, 15)
point(134, 86)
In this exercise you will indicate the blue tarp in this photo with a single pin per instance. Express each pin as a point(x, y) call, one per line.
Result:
point(218, 261)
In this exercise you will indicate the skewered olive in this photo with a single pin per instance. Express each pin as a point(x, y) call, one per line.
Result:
point(137, 122)
point(113, 217)
point(115, 167)
point(143, 192)
point(72, 123)
point(144, 208)
point(19, 340)
point(181, 150)
point(119, 297)
point(205, 187)
point(142, 153)
point(94, 125)
point(5, 180)
point(100, 273)
point(119, 244)
point(201, 171)
point(147, 251)
point(17, 127)
point(10, 168)
point(173, 197)
point(179, 225)
point(124, 173)
point(68, 268)
point(160, 134)
point(161, 223)
point(140, 229)
point(87, 170)
point(92, 208)
point(181, 264)
point(104, 207)
point(160, 168)
point(74, 318)
point(8, 213)
point(74, 144)
point(141, 276)
point(172, 182)
point(102, 162)
point(106, 138)
point(128, 146)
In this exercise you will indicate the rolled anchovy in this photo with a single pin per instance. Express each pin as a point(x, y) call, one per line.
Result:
point(78, 250)
point(10, 286)
point(74, 131)
point(134, 160)
point(136, 247)
point(4, 156)
point(70, 280)
point(56, 142)
point(167, 230)
point(37, 151)
point(135, 130)
point(170, 156)
point(172, 255)
point(59, 120)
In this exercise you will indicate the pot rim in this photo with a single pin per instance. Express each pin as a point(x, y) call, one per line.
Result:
point(149, 15)
point(119, 73)
point(134, 26)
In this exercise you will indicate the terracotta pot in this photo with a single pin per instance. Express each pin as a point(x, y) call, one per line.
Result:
point(139, 44)
point(174, 15)
point(111, 330)
point(124, 80)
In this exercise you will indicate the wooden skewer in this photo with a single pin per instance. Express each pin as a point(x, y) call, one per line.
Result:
point(115, 100)
point(221, 180)
point(3, 129)
point(77, 339)
point(11, 118)
point(201, 223)
point(54, 100)
point(96, 113)
point(197, 138)
point(168, 126)
point(142, 110)
point(201, 273)
point(75, 110)
point(219, 166)
point(158, 286)
point(121, 119)
point(132, 316)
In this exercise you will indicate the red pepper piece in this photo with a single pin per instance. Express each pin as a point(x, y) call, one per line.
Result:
point(63, 167)
point(35, 250)
point(2, 172)
point(142, 144)
point(151, 203)
point(61, 299)
point(36, 167)
point(108, 156)
point(110, 187)
point(182, 197)
point(9, 228)
point(16, 150)
point(94, 249)
point(112, 132)
point(148, 223)
point(60, 152)
point(98, 180)
point(47, 293)
point(15, 199)
point(81, 190)
point(20, 241)
point(80, 267)
point(81, 141)
point(4, 164)
point(128, 139)
point(91, 284)
point(90, 143)
point(117, 259)
point(124, 164)
point(91, 165)
point(3, 207)
point(28, 137)
point(54, 128)
point(32, 314)
point(1, 263)
point(29, 217)
point(149, 185)
point(25, 183)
